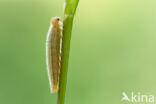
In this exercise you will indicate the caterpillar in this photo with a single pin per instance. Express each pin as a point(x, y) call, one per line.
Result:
point(53, 52)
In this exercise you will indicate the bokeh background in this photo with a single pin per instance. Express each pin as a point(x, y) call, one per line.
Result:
point(113, 50)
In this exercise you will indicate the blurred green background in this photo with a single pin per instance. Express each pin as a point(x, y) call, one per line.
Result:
point(113, 50)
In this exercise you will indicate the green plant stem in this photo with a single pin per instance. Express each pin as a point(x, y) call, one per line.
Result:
point(69, 12)
point(65, 58)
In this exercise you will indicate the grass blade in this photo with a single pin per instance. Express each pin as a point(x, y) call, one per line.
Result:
point(69, 12)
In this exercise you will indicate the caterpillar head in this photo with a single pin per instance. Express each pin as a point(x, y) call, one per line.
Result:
point(55, 21)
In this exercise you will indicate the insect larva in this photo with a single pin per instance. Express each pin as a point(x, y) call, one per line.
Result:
point(53, 53)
